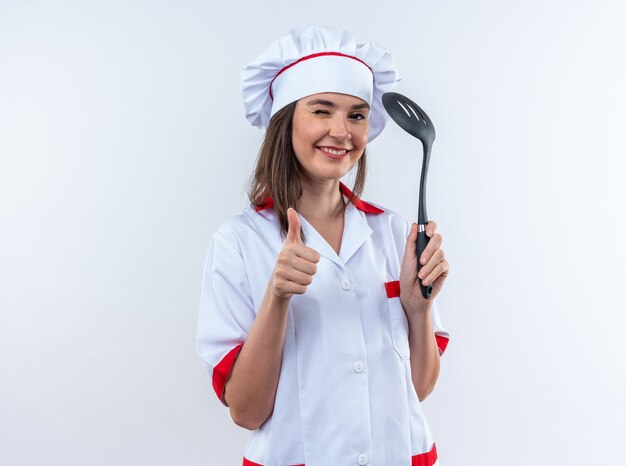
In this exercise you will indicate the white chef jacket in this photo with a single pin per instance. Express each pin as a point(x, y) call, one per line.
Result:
point(345, 394)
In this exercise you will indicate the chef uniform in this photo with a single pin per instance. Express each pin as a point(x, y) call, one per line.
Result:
point(345, 394)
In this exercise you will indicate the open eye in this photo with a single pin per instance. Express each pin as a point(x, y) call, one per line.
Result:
point(358, 116)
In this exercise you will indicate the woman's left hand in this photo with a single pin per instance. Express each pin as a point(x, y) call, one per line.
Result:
point(434, 270)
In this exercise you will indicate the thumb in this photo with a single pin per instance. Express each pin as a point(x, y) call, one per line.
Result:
point(293, 232)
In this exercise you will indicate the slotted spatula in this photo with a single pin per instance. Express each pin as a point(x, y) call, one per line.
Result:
point(411, 118)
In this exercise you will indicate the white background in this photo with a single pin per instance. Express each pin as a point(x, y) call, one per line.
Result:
point(123, 146)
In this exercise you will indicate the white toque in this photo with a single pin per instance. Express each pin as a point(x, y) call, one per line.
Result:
point(312, 60)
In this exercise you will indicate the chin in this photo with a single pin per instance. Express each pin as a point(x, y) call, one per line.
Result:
point(327, 175)
point(334, 172)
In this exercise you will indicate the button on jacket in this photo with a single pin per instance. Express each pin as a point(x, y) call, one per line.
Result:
point(345, 394)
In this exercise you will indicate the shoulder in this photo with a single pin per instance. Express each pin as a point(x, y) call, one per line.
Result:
point(246, 227)
point(377, 215)
point(388, 221)
point(390, 230)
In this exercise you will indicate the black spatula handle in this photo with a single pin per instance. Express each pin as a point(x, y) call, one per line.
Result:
point(422, 241)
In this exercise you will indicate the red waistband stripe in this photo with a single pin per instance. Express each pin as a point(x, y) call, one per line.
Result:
point(425, 459)
point(252, 463)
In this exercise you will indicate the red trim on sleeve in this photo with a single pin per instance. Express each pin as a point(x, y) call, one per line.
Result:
point(221, 371)
point(442, 343)
point(425, 459)
point(393, 289)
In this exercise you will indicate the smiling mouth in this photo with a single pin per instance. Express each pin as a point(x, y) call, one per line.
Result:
point(337, 152)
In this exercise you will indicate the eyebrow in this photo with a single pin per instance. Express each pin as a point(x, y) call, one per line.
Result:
point(330, 104)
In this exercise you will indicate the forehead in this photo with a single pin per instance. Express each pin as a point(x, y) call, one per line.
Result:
point(333, 98)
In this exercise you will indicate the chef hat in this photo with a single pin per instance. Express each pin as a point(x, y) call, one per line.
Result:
point(314, 59)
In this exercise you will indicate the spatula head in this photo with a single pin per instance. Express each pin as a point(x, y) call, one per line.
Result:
point(409, 116)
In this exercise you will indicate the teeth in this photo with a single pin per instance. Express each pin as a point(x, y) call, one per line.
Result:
point(335, 152)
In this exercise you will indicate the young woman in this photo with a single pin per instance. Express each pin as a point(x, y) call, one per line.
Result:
point(312, 323)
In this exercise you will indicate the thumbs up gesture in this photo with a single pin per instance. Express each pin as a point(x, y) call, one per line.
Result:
point(296, 263)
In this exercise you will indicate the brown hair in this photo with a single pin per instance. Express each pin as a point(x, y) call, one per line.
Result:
point(277, 172)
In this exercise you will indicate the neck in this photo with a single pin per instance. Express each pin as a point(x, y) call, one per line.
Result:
point(321, 201)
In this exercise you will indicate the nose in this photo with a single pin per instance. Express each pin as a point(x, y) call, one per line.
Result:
point(339, 129)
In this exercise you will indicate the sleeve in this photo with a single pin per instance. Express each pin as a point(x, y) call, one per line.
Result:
point(226, 311)
point(441, 334)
